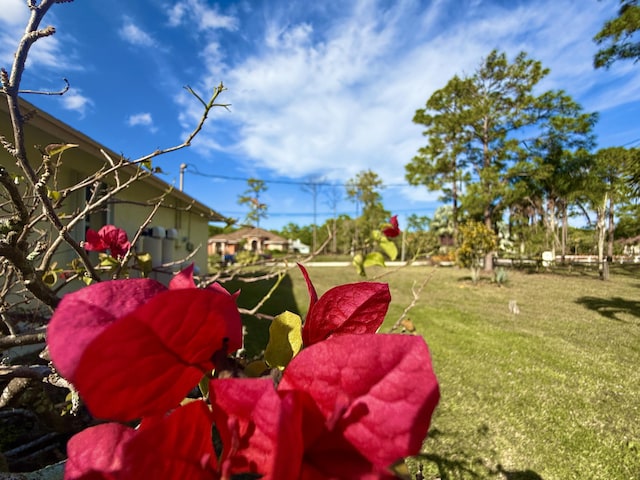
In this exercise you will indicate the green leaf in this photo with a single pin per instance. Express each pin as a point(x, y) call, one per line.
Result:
point(57, 148)
point(53, 195)
point(144, 262)
point(203, 385)
point(358, 262)
point(285, 339)
point(389, 248)
point(374, 258)
point(50, 278)
point(108, 261)
point(256, 369)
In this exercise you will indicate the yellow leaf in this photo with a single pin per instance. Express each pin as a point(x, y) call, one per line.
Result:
point(53, 195)
point(285, 339)
point(374, 258)
point(389, 248)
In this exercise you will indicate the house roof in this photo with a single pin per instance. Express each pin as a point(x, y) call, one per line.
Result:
point(55, 127)
point(248, 232)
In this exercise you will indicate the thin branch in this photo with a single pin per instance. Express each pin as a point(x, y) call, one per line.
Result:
point(266, 297)
point(64, 90)
point(416, 296)
point(138, 234)
point(37, 372)
point(10, 341)
point(207, 108)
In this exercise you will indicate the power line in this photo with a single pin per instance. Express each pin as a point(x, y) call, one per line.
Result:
point(194, 170)
point(324, 214)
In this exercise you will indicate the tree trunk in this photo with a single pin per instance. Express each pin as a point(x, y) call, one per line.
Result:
point(551, 232)
point(488, 258)
point(610, 227)
point(565, 230)
point(603, 268)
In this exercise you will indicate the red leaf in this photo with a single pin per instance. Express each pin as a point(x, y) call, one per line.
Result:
point(261, 432)
point(177, 446)
point(82, 315)
point(97, 452)
point(94, 242)
point(108, 237)
point(393, 230)
point(376, 393)
point(352, 308)
point(313, 295)
point(183, 279)
point(146, 362)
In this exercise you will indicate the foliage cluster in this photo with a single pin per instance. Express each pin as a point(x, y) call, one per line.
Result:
point(476, 241)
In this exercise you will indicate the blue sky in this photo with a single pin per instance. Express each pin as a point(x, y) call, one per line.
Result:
point(319, 91)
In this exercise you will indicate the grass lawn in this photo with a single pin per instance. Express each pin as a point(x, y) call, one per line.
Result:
point(551, 393)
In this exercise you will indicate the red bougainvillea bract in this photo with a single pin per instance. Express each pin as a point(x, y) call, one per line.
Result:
point(109, 238)
point(349, 405)
point(393, 229)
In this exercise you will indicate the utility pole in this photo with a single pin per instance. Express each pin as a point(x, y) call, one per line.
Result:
point(183, 167)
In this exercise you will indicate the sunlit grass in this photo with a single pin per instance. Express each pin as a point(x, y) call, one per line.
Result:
point(551, 393)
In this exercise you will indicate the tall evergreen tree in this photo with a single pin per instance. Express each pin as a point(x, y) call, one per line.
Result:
point(606, 188)
point(555, 163)
point(619, 36)
point(480, 127)
point(364, 191)
point(441, 164)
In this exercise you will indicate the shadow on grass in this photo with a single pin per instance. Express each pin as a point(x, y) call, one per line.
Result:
point(450, 459)
point(282, 299)
point(611, 307)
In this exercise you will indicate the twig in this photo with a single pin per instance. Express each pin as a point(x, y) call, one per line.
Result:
point(64, 90)
point(137, 235)
point(416, 297)
point(37, 372)
point(10, 341)
point(267, 296)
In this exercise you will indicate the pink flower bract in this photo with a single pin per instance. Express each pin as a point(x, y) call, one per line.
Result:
point(352, 308)
point(392, 230)
point(109, 238)
point(375, 393)
point(368, 406)
point(146, 362)
point(82, 315)
point(174, 446)
point(260, 430)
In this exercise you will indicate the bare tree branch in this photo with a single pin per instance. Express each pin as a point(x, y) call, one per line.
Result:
point(64, 90)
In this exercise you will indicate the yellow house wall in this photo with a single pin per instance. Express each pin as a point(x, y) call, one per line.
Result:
point(129, 209)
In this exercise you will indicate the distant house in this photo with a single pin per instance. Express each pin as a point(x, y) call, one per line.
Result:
point(298, 247)
point(177, 229)
point(251, 239)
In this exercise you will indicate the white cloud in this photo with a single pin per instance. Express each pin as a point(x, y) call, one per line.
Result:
point(336, 98)
point(76, 101)
point(46, 52)
point(198, 13)
point(142, 119)
point(14, 12)
point(135, 35)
